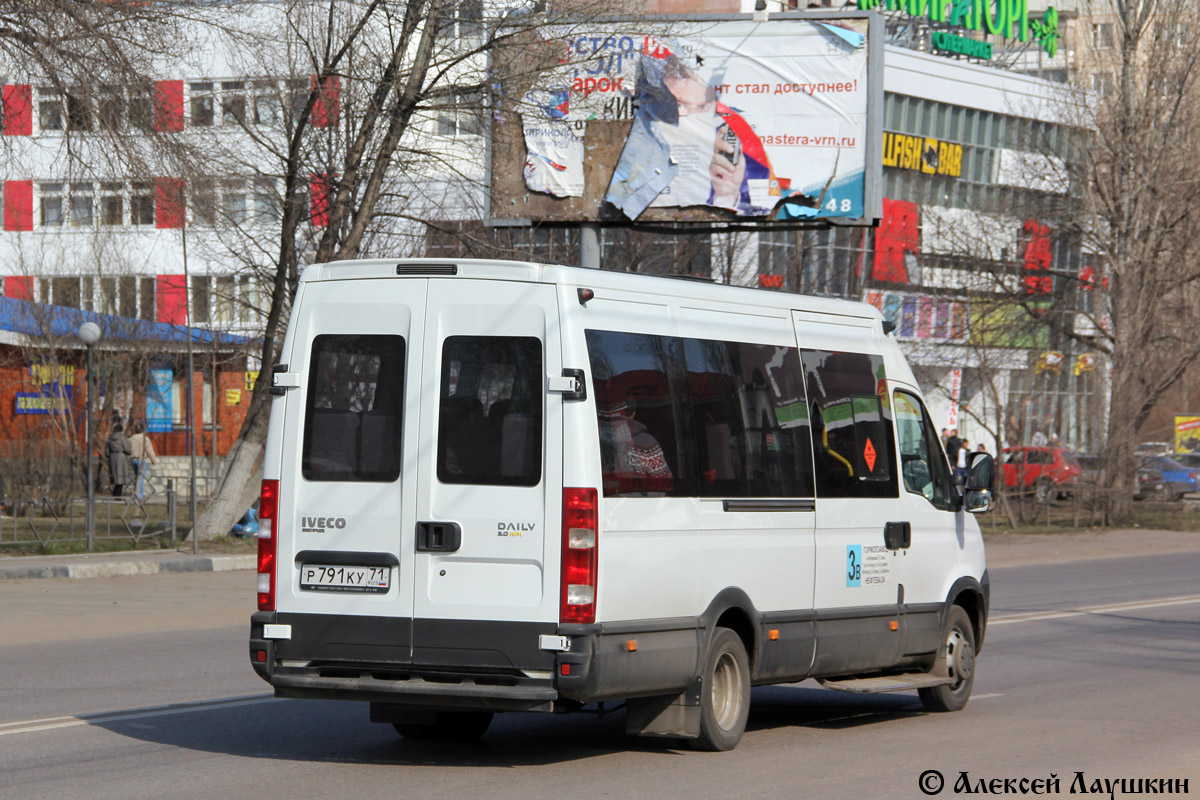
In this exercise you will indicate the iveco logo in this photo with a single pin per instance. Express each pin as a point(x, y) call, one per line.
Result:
point(321, 524)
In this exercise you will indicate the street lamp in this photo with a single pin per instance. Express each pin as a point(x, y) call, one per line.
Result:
point(89, 333)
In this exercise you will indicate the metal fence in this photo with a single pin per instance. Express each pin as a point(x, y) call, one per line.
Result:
point(47, 520)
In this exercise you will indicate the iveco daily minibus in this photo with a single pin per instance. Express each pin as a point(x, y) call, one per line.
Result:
point(494, 486)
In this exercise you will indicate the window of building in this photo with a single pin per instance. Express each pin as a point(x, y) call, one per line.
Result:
point(147, 299)
point(460, 114)
point(141, 107)
point(141, 204)
point(1102, 36)
point(354, 409)
point(233, 103)
point(778, 259)
point(65, 292)
point(461, 19)
point(127, 287)
point(297, 98)
point(112, 203)
point(201, 293)
point(51, 201)
point(110, 108)
point(224, 300)
point(233, 201)
point(50, 110)
point(82, 201)
point(490, 411)
point(79, 110)
point(266, 200)
point(1102, 84)
point(266, 103)
point(202, 103)
point(204, 201)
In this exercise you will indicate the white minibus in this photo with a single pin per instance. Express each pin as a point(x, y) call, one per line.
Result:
point(495, 486)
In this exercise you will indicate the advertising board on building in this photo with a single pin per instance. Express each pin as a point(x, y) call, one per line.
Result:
point(1187, 434)
point(694, 119)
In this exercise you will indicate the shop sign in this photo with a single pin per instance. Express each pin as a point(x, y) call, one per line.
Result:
point(1007, 19)
point(922, 154)
point(37, 403)
point(1187, 433)
point(953, 43)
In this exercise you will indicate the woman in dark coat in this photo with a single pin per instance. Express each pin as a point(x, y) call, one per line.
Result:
point(120, 463)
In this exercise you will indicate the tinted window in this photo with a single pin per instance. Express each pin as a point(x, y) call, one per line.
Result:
point(750, 420)
point(490, 412)
point(355, 406)
point(641, 403)
point(922, 461)
point(851, 426)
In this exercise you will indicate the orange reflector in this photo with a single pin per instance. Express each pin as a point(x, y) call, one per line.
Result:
point(260, 656)
point(893, 626)
point(773, 635)
point(631, 645)
point(565, 669)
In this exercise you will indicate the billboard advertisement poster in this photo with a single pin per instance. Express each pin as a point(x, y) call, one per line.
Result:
point(158, 400)
point(750, 119)
point(1187, 434)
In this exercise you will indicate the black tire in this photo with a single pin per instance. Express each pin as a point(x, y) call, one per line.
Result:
point(724, 693)
point(959, 641)
point(458, 726)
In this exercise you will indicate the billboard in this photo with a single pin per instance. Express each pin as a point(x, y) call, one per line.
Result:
point(1187, 434)
point(696, 119)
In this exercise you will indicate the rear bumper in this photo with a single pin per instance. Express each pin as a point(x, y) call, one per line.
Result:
point(463, 664)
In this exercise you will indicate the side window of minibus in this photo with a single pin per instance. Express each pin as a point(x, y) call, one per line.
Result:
point(922, 460)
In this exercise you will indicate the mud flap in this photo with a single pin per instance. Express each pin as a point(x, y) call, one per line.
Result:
point(675, 716)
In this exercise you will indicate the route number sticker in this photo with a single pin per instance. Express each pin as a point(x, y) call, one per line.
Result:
point(853, 565)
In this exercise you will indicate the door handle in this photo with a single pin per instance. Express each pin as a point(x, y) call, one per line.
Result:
point(897, 535)
point(438, 537)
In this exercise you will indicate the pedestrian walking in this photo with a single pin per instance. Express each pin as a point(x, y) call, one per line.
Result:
point(142, 451)
point(120, 465)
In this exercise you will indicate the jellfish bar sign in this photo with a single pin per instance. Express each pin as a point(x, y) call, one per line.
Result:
point(1008, 19)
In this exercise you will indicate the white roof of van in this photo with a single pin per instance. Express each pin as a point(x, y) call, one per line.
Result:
point(487, 269)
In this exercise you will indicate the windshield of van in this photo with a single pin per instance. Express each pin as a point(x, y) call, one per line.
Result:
point(353, 409)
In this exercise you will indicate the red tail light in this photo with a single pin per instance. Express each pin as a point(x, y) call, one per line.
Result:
point(580, 547)
point(268, 507)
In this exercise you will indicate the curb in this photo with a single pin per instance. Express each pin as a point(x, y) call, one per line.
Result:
point(114, 568)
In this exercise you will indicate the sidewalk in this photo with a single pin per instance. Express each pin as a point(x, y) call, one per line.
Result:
point(104, 565)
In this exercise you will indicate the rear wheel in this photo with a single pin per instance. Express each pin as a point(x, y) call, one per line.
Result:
point(448, 726)
point(960, 664)
point(724, 694)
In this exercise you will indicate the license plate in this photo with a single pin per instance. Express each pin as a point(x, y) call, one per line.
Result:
point(330, 578)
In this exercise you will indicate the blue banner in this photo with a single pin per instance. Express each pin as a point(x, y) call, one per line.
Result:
point(158, 400)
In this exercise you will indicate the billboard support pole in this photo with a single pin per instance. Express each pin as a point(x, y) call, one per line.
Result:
point(589, 245)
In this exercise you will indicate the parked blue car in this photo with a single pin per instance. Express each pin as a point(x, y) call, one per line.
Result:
point(1179, 480)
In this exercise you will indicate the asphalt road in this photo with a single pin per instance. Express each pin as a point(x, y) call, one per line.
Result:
point(87, 665)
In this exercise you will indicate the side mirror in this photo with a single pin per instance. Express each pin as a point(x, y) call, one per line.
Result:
point(981, 477)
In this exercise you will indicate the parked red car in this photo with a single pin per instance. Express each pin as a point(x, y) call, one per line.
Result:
point(1039, 468)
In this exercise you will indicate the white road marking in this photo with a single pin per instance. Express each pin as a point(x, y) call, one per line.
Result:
point(50, 723)
point(1135, 605)
point(989, 696)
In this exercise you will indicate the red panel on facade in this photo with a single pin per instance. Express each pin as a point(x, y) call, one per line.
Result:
point(171, 298)
point(18, 205)
point(170, 202)
point(898, 233)
point(18, 110)
point(328, 104)
point(18, 287)
point(168, 106)
point(318, 198)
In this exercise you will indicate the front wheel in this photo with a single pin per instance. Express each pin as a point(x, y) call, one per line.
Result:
point(960, 665)
point(725, 693)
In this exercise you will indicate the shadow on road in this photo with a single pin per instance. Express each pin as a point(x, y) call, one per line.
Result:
point(339, 732)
